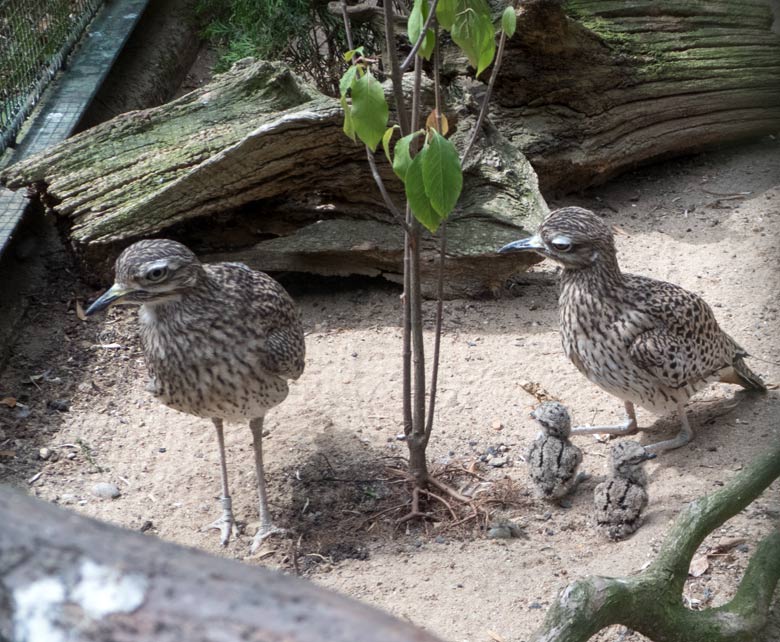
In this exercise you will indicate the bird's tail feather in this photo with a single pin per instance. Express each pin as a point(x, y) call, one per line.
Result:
point(745, 377)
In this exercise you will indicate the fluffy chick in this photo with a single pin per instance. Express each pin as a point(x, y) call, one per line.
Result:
point(620, 499)
point(552, 459)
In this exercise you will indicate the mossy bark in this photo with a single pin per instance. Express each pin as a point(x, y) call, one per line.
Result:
point(651, 602)
point(591, 88)
point(257, 166)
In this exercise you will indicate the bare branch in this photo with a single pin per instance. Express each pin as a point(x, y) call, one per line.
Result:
point(651, 601)
point(383, 190)
point(395, 69)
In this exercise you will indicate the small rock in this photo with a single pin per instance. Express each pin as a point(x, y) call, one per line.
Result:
point(60, 405)
point(105, 490)
point(400, 436)
point(534, 605)
point(439, 539)
point(146, 526)
point(44, 453)
point(497, 425)
point(498, 462)
point(161, 450)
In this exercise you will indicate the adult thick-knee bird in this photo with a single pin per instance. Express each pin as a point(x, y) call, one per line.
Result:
point(647, 342)
point(220, 341)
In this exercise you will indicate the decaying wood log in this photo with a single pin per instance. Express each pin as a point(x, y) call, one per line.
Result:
point(261, 142)
point(590, 88)
point(67, 577)
point(650, 602)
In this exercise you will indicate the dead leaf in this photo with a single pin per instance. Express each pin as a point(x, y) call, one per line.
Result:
point(495, 636)
point(619, 231)
point(432, 122)
point(772, 386)
point(8, 453)
point(80, 311)
point(8, 401)
point(699, 566)
point(535, 390)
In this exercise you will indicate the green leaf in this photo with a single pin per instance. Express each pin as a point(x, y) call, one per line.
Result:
point(508, 21)
point(445, 13)
point(416, 196)
point(347, 79)
point(349, 126)
point(487, 44)
point(442, 175)
point(402, 159)
point(417, 19)
point(474, 33)
point(386, 141)
point(369, 110)
point(349, 55)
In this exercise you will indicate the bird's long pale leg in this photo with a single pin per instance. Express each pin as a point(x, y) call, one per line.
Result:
point(628, 427)
point(267, 527)
point(225, 523)
point(682, 438)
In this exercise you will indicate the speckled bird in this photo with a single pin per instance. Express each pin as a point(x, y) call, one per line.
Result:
point(552, 459)
point(221, 341)
point(620, 499)
point(647, 342)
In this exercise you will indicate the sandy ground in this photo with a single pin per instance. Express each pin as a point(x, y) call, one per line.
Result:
point(710, 223)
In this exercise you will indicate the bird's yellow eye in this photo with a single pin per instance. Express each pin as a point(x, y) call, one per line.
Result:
point(156, 273)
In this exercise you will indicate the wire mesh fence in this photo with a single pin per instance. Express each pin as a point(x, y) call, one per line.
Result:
point(35, 38)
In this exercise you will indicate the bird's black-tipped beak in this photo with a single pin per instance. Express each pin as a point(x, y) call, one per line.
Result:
point(112, 295)
point(531, 244)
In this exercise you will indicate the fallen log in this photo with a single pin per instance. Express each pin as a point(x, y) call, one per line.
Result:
point(255, 165)
point(68, 577)
point(260, 143)
point(591, 88)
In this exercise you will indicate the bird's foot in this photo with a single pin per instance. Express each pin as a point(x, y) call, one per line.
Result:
point(264, 532)
point(226, 523)
point(604, 433)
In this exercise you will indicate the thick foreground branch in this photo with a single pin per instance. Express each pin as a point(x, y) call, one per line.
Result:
point(67, 577)
point(651, 602)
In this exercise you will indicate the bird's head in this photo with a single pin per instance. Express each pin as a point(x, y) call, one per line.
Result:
point(572, 236)
point(554, 418)
point(150, 272)
point(627, 456)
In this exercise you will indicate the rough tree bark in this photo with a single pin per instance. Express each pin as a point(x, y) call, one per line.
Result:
point(261, 141)
point(67, 577)
point(591, 88)
point(651, 601)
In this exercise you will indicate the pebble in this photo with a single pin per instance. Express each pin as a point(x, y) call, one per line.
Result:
point(61, 405)
point(105, 490)
point(44, 453)
point(498, 462)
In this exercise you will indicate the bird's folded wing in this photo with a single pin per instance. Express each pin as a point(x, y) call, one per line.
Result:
point(670, 358)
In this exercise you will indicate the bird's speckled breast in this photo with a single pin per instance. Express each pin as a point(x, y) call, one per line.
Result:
point(596, 333)
point(199, 375)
